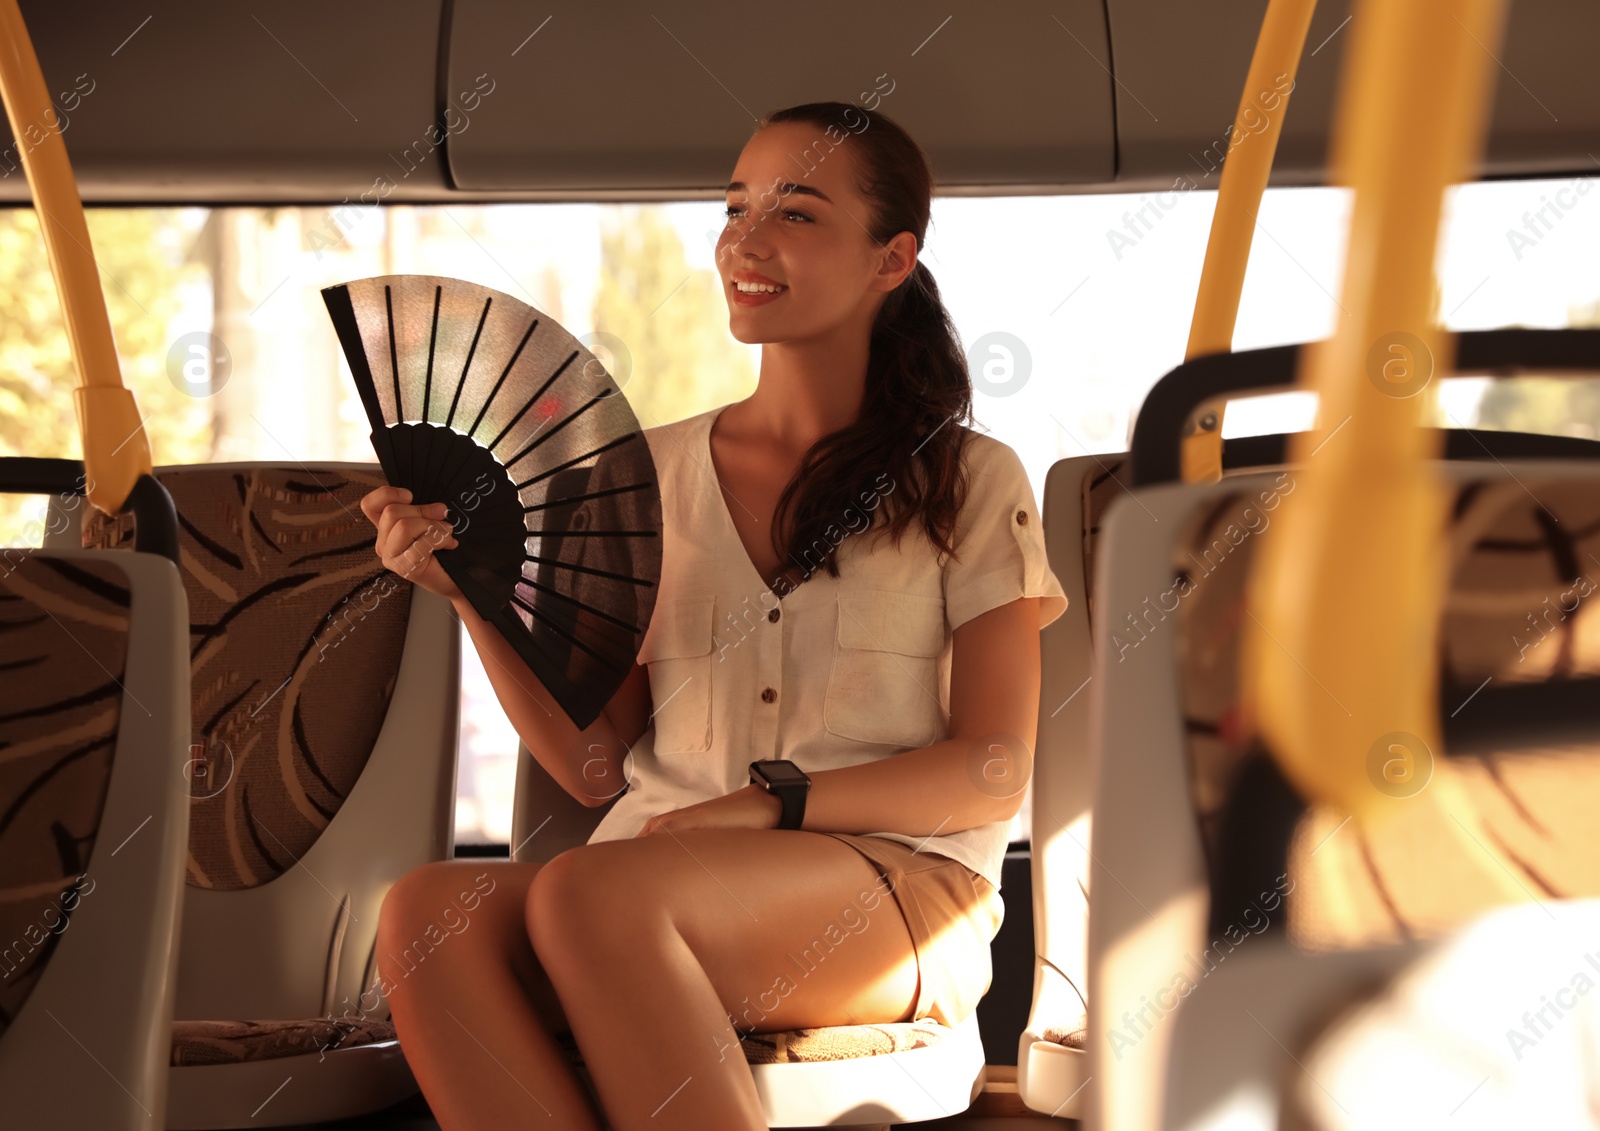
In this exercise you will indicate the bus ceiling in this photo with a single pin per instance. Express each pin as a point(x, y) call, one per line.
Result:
point(183, 101)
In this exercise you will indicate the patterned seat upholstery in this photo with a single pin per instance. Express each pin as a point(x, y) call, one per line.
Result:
point(842, 1042)
point(234, 1042)
point(64, 638)
point(1069, 1036)
point(239, 1042)
point(812, 1046)
point(1521, 608)
point(295, 640)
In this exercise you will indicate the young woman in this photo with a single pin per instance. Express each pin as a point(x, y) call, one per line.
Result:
point(810, 610)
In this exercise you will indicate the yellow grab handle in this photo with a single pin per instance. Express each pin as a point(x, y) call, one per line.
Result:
point(1342, 667)
point(1251, 148)
point(115, 449)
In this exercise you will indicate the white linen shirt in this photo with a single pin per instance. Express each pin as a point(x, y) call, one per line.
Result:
point(838, 672)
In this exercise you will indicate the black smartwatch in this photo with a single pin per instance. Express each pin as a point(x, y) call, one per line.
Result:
point(789, 783)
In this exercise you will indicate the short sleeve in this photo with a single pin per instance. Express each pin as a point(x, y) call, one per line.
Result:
point(1000, 540)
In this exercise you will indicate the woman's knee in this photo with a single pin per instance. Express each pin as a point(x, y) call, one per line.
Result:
point(550, 898)
point(410, 899)
point(580, 899)
point(445, 898)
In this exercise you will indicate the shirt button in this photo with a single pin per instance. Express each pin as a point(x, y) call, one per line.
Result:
point(1022, 518)
point(773, 616)
point(768, 695)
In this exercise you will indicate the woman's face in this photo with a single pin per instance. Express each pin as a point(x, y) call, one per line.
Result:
point(795, 219)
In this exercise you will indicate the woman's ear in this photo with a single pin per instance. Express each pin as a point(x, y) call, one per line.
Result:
point(898, 261)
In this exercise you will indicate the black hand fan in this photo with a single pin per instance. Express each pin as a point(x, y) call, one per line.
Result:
point(491, 407)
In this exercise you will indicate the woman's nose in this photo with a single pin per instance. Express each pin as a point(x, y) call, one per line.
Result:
point(745, 235)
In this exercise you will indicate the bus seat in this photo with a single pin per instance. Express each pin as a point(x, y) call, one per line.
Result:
point(1051, 1052)
point(833, 1076)
point(546, 820)
point(1525, 552)
point(94, 817)
point(1467, 983)
point(1242, 1082)
point(324, 718)
point(1177, 799)
point(1360, 1030)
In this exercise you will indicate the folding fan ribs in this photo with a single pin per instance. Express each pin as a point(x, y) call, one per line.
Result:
point(491, 407)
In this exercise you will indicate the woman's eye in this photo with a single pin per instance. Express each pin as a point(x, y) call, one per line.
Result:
point(733, 210)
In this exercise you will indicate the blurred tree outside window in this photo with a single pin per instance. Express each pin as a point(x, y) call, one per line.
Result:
point(147, 274)
point(1547, 404)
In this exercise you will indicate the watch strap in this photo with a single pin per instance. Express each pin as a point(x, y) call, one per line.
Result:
point(793, 798)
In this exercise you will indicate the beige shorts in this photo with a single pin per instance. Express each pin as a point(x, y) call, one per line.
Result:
point(953, 915)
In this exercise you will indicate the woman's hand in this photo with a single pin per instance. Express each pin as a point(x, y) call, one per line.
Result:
point(747, 808)
point(408, 536)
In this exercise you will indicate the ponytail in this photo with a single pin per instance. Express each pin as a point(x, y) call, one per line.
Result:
point(900, 462)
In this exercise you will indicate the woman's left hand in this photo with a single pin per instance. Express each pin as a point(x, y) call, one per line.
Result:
point(747, 808)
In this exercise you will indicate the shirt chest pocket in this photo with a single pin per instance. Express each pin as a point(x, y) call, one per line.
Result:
point(677, 651)
point(884, 682)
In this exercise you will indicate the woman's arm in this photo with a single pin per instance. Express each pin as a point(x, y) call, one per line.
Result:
point(586, 763)
point(976, 776)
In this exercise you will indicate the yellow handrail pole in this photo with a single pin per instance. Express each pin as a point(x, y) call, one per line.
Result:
point(1244, 179)
point(1348, 594)
point(115, 449)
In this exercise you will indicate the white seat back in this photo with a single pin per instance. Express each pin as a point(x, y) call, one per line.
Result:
point(1150, 946)
point(91, 967)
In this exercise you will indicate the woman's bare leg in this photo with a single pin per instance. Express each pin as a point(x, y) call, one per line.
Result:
point(473, 1008)
point(652, 942)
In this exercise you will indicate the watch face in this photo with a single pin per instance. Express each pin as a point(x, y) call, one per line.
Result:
point(782, 773)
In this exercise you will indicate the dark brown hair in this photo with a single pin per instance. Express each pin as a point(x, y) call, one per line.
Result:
point(918, 395)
